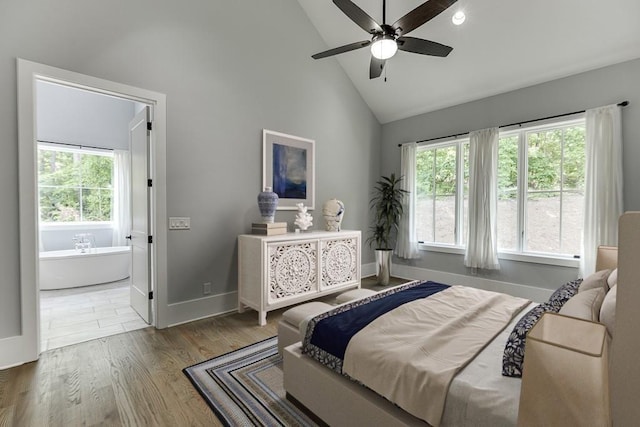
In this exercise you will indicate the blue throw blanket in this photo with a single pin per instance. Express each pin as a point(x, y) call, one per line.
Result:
point(328, 334)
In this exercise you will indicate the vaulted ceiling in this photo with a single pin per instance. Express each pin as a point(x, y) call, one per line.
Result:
point(503, 45)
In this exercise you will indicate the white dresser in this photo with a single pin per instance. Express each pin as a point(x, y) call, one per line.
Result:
point(279, 271)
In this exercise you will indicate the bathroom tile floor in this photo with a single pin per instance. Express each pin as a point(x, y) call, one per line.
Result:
point(71, 316)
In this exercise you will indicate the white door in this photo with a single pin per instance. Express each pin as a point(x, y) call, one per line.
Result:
point(140, 202)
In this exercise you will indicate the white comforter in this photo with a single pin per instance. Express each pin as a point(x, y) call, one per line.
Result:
point(479, 395)
point(413, 366)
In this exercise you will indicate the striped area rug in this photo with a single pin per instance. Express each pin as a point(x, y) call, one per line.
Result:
point(245, 387)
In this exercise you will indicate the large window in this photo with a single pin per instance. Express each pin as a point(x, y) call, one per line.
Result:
point(540, 190)
point(74, 185)
point(441, 198)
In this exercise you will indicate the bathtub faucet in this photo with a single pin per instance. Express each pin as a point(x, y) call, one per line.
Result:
point(82, 242)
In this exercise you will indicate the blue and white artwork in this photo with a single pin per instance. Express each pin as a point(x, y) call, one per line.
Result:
point(289, 171)
point(288, 164)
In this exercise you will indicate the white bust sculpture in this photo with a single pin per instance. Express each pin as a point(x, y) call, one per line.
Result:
point(332, 211)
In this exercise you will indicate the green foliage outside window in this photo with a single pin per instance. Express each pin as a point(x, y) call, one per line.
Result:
point(74, 186)
point(441, 173)
point(545, 151)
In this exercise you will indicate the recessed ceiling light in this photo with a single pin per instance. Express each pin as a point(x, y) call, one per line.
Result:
point(458, 18)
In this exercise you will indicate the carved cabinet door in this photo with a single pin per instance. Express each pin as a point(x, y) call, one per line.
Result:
point(293, 270)
point(339, 262)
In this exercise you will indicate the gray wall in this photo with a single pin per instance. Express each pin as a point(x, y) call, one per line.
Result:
point(587, 90)
point(229, 69)
point(75, 116)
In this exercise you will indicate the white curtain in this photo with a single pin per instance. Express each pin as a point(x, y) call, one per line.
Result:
point(603, 182)
point(407, 244)
point(482, 238)
point(121, 197)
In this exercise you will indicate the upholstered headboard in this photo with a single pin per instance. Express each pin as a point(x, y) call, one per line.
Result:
point(607, 258)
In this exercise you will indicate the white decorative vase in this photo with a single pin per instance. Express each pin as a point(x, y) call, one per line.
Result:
point(267, 203)
point(333, 211)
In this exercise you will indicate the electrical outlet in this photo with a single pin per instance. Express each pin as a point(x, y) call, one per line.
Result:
point(206, 288)
point(179, 223)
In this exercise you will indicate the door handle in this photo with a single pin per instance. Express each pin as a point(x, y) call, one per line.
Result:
point(128, 237)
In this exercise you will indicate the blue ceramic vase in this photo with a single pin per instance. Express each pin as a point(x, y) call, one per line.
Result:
point(267, 203)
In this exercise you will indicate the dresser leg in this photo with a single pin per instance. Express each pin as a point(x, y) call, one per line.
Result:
point(262, 318)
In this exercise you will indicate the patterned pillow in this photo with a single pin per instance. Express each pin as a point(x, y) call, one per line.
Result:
point(513, 357)
point(563, 293)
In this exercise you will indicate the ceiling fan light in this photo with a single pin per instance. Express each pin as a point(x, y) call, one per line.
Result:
point(458, 17)
point(384, 47)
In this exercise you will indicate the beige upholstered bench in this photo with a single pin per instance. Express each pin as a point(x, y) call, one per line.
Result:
point(294, 321)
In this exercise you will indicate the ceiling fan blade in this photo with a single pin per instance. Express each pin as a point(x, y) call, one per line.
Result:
point(358, 16)
point(423, 47)
point(342, 49)
point(376, 66)
point(420, 15)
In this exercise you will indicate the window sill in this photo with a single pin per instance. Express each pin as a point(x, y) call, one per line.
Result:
point(561, 261)
point(510, 256)
point(447, 249)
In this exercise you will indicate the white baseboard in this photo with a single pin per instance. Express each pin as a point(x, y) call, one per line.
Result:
point(523, 291)
point(201, 308)
point(15, 351)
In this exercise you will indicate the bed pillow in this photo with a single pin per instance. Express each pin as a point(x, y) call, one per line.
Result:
point(513, 356)
point(596, 280)
point(585, 304)
point(613, 278)
point(563, 293)
point(608, 309)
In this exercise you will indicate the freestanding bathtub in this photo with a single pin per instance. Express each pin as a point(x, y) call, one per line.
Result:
point(71, 268)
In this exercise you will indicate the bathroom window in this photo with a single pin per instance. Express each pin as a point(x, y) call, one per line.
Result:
point(74, 184)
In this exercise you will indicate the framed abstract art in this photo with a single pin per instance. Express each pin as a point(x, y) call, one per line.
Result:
point(288, 167)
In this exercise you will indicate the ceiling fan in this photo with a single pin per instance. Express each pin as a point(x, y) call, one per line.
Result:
point(387, 39)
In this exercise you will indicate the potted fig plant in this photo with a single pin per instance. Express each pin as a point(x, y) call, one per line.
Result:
point(386, 204)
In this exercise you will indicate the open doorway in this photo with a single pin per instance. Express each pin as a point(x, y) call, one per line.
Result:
point(84, 214)
point(25, 347)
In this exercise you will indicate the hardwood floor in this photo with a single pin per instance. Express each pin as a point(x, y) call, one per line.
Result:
point(370, 283)
point(130, 379)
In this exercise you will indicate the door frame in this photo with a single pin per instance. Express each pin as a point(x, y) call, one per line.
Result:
point(26, 346)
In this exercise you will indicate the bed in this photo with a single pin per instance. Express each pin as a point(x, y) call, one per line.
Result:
point(477, 395)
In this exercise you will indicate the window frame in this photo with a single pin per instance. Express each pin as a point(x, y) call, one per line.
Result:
point(459, 204)
point(519, 254)
point(67, 148)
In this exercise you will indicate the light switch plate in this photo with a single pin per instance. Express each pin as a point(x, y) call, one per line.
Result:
point(179, 223)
